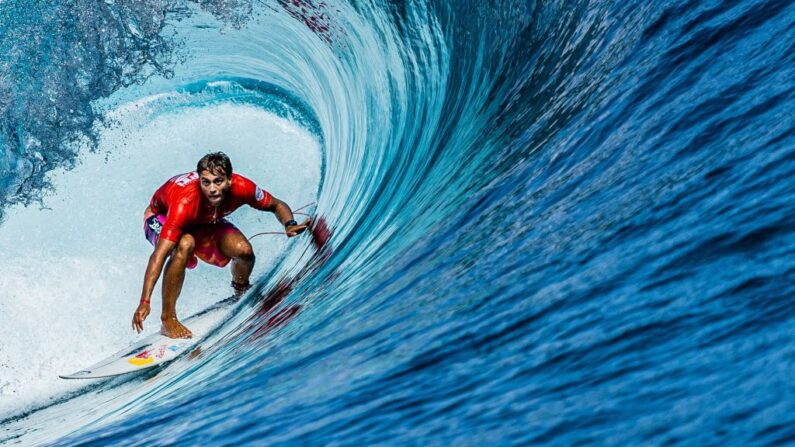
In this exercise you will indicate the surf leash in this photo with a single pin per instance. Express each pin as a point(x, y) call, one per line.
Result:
point(294, 213)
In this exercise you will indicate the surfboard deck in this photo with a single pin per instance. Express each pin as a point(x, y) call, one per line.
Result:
point(157, 349)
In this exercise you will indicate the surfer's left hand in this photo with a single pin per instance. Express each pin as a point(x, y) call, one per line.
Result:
point(295, 230)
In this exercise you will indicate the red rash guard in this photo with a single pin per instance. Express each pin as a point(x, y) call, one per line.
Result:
point(181, 200)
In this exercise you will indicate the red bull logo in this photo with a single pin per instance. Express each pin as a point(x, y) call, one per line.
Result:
point(142, 358)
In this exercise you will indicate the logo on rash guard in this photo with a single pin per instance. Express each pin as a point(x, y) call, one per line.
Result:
point(260, 194)
point(184, 179)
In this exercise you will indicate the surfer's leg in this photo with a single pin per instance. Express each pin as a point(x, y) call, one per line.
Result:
point(234, 245)
point(173, 278)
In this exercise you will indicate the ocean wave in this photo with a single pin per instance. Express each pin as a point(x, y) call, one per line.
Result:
point(543, 222)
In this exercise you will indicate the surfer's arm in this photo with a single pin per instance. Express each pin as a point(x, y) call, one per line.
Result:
point(156, 262)
point(260, 199)
point(285, 216)
point(153, 270)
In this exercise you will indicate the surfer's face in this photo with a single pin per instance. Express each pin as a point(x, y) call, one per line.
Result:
point(214, 186)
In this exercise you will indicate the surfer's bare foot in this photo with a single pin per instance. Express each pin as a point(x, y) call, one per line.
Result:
point(240, 288)
point(172, 328)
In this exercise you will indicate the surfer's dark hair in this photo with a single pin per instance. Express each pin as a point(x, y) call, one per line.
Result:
point(215, 162)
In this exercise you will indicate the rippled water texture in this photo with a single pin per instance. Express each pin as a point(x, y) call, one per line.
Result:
point(538, 223)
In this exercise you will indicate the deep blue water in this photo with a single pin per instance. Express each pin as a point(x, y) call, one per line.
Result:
point(542, 223)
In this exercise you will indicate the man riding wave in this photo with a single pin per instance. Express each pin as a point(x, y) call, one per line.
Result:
point(185, 220)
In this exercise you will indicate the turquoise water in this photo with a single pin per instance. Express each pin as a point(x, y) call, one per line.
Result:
point(542, 223)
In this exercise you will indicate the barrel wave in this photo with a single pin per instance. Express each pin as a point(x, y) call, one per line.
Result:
point(535, 223)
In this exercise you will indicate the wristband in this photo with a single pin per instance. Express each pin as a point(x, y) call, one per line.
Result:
point(289, 223)
point(144, 301)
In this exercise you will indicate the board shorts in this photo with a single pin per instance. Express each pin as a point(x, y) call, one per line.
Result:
point(207, 236)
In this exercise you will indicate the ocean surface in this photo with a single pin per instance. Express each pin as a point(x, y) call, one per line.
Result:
point(549, 223)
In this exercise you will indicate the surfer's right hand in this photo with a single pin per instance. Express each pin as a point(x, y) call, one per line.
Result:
point(139, 316)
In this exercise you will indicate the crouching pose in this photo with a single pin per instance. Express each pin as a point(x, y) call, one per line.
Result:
point(185, 221)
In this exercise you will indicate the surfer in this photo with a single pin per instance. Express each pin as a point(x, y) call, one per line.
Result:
point(185, 220)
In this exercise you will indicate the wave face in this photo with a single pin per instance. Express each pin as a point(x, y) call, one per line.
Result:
point(546, 223)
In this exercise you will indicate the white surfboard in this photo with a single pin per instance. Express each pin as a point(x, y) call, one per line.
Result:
point(157, 349)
